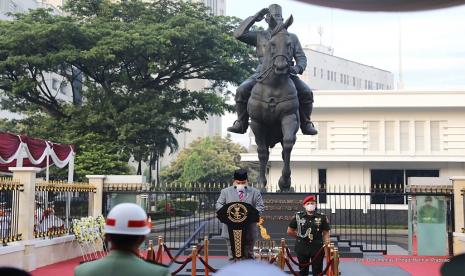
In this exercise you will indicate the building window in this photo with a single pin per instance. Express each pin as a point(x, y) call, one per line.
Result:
point(435, 136)
point(322, 135)
point(314, 72)
point(373, 136)
point(321, 73)
point(342, 78)
point(322, 185)
point(55, 84)
point(389, 138)
point(328, 76)
point(366, 84)
point(353, 81)
point(383, 181)
point(404, 135)
point(387, 183)
point(419, 135)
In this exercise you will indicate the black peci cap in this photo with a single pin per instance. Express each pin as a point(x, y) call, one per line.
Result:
point(240, 174)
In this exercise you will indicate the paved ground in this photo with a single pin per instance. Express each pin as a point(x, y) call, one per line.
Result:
point(389, 265)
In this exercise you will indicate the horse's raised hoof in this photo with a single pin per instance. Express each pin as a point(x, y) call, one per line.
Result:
point(284, 184)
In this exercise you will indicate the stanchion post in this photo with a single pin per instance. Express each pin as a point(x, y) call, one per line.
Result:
point(328, 256)
point(336, 262)
point(194, 261)
point(282, 256)
point(160, 250)
point(331, 252)
point(205, 252)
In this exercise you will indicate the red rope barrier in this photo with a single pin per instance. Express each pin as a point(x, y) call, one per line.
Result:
point(168, 252)
point(327, 267)
point(303, 264)
point(207, 265)
point(188, 260)
point(295, 273)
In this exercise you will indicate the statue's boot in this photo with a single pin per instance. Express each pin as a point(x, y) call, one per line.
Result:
point(306, 124)
point(242, 123)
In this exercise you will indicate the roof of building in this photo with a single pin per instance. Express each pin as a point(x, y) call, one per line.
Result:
point(372, 67)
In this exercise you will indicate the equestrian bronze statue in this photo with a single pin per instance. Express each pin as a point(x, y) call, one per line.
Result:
point(274, 98)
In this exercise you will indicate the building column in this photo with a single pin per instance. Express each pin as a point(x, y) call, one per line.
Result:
point(27, 177)
point(96, 199)
point(458, 184)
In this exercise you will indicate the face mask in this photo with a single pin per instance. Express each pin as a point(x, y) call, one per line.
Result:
point(240, 187)
point(310, 207)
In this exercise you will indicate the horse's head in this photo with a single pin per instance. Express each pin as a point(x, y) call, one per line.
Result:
point(280, 48)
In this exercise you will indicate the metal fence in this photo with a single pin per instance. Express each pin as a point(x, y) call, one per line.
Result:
point(9, 210)
point(366, 218)
point(57, 204)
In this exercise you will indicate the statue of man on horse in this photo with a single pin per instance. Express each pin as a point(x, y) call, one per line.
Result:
point(259, 39)
point(276, 100)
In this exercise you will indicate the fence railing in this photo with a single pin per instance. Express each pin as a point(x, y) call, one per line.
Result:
point(57, 204)
point(9, 209)
point(368, 218)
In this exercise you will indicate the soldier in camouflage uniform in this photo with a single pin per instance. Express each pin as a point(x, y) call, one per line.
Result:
point(311, 230)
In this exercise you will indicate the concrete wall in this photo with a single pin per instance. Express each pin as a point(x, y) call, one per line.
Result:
point(354, 174)
point(32, 254)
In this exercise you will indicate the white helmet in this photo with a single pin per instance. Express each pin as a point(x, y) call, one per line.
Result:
point(127, 219)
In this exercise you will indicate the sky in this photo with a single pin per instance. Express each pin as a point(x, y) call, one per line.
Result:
point(432, 48)
point(432, 42)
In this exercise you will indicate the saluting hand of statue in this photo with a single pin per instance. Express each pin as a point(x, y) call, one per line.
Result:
point(261, 14)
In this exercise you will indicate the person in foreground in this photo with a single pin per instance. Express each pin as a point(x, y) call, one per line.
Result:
point(125, 228)
point(310, 229)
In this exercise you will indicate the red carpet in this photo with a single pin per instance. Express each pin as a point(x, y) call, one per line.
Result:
point(416, 265)
point(66, 268)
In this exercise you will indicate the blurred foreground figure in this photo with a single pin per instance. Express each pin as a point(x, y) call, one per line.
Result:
point(455, 267)
point(125, 228)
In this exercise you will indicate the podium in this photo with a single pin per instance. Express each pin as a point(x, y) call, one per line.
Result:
point(238, 216)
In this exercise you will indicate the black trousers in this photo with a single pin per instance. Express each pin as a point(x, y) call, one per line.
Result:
point(317, 263)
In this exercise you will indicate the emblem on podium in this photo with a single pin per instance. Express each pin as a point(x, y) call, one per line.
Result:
point(237, 216)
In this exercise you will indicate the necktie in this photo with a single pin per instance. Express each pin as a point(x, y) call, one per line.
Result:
point(241, 195)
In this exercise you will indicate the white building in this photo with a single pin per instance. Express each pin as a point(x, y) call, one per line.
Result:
point(376, 137)
point(21, 6)
point(57, 84)
point(325, 71)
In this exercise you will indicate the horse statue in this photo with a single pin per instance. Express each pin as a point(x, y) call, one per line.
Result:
point(273, 106)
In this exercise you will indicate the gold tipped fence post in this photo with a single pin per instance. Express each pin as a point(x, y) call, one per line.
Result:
point(159, 257)
point(336, 262)
point(327, 250)
point(282, 256)
point(331, 252)
point(205, 253)
point(194, 261)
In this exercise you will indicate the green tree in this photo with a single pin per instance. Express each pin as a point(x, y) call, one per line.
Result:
point(207, 160)
point(131, 57)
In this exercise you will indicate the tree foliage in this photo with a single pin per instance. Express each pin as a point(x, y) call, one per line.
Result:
point(207, 160)
point(131, 58)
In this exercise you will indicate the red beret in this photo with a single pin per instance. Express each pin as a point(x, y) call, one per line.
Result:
point(309, 198)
